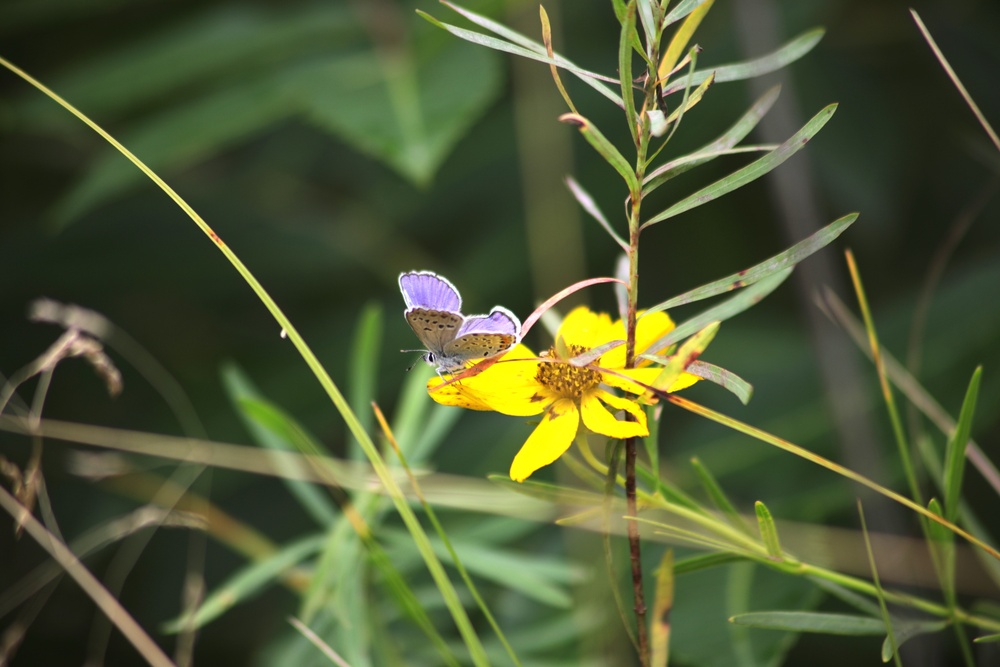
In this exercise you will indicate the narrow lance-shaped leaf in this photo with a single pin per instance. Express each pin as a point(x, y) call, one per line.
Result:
point(659, 622)
point(785, 55)
point(752, 171)
point(521, 46)
point(590, 206)
point(604, 147)
point(780, 262)
point(647, 17)
point(718, 496)
point(734, 305)
point(726, 379)
point(747, 122)
point(808, 621)
point(768, 531)
point(682, 9)
point(625, 70)
point(681, 38)
point(954, 461)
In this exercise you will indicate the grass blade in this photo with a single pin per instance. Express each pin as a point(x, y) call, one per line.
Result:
point(752, 171)
point(768, 267)
point(362, 375)
point(890, 637)
point(954, 457)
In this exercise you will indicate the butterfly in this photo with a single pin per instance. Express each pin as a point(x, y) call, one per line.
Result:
point(434, 312)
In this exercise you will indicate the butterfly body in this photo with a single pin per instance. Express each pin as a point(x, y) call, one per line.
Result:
point(452, 340)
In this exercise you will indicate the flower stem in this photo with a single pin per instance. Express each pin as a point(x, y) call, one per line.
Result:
point(634, 226)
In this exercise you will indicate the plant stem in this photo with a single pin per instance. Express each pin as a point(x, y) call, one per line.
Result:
point(634, 226)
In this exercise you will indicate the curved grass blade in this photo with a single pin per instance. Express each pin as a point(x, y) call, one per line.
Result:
point(784, 55)
point(603, 147)
point(734, 305)
point(550, 52)
point(768, 267)
point(720, 146)
point(752, 171)
point(726, 379)
point(890, 637)
point(954, 456)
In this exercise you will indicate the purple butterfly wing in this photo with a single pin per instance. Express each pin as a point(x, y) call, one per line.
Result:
point(423, 289)
point(499, 321)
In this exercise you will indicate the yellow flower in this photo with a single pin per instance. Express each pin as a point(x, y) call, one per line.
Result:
point(522, 385)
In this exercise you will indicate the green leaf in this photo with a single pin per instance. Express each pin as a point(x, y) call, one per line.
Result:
point(954, 457)
point(549, 492)
point(363, 371)
point(726, 379)
point(522, 46)
point(406, 112)
point(720, 146)
point(732, 306)
point(271, 428)
point(784, 55)
point(752, 171)
point(590, 206)
point(768, 531)
point(682, 9)
point(809, 621)
point(768, 267)
point(247, 582)
point(625, 70)
point(718, 496)
point(705, 562)
point(604, 147)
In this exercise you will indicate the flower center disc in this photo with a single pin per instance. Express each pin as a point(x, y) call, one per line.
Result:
point(565, 379)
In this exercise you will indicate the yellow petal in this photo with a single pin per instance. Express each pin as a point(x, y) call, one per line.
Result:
point(585, 328)
point(508, 386)
point(599, 420)
point(550, 439)
point(648, 330)
point(620, 378)
point(685, 380)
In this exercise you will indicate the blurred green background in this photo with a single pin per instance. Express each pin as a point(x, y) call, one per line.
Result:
point(334, 144)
